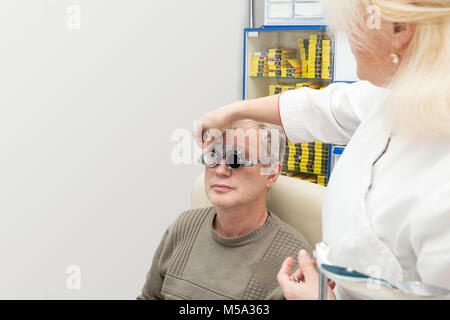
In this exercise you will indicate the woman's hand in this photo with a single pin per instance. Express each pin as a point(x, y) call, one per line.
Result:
point(261, 109)
point(304, 283)
point(219, 119)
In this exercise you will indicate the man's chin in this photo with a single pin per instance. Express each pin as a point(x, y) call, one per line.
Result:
point(220, 201)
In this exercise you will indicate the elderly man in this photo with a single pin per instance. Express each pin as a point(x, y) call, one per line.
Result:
point(234, 249)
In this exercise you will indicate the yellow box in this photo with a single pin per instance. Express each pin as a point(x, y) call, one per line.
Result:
point(259, 74)
point(296, 63)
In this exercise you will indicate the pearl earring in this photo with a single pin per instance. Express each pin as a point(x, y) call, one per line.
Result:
point(395, 58)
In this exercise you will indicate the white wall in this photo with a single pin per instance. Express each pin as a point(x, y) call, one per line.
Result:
point(86, 118)
point(259, 7)
point(345, 64)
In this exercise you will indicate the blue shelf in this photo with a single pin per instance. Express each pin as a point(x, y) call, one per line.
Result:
point(288, 28)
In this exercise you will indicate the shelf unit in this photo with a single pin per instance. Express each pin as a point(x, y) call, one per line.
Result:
point(269, 37)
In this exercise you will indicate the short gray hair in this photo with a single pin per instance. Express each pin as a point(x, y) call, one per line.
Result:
point(266, 140)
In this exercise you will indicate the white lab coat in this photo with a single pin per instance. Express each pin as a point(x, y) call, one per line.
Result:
point(392, 219)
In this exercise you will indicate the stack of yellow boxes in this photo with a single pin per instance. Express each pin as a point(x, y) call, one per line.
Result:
point(321, 162)
point(278, 60)
point(299, 158)
point(307, 158)
point(275, 89)
point(312, 56)
point(303, 48)
point(279, 88)
point(309, 85)
point(319, 56)
point(292, 158)
point(316, 58)
point(287, 87)
point(327, 71)
point(293, 69)
point(301, 176)
point(302, 84)
point(259, 64)
point(307, 161)
point(322, 180)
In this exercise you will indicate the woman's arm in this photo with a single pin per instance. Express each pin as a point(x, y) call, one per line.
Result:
point(262, 109)
point(330, 115)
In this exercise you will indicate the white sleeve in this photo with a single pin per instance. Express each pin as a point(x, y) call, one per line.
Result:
point(329, 115)
point(430, 238)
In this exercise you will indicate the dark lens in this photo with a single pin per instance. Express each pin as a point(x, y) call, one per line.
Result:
point(233, 160)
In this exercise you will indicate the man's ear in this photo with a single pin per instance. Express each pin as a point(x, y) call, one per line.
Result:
point(403, 33)
point(274, 173)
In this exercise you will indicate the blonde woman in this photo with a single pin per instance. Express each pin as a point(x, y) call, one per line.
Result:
point(387, 205)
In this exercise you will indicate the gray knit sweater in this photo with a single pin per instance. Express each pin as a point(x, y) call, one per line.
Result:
point(194, 262)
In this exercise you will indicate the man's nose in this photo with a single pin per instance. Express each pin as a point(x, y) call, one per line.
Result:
point(222, 168)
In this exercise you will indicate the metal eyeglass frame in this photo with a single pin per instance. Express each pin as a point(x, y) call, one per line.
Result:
point(231, 152)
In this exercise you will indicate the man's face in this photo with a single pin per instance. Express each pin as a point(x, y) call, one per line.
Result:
point(228, 188)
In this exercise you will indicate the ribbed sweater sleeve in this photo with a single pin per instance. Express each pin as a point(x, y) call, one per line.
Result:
point(181, 233)
point(155, 276)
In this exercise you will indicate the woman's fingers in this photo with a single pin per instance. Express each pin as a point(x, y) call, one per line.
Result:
point(306, 264)
point(203, 138)
point(284, 274)
point(198, 133)
point(208, 144)
point(216, 121)
point(298, 275)
point(291, 289)
point(204, 133)
point(331, 284)
point(309, 288)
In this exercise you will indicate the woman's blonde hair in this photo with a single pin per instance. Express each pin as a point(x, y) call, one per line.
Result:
point(418, 105)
